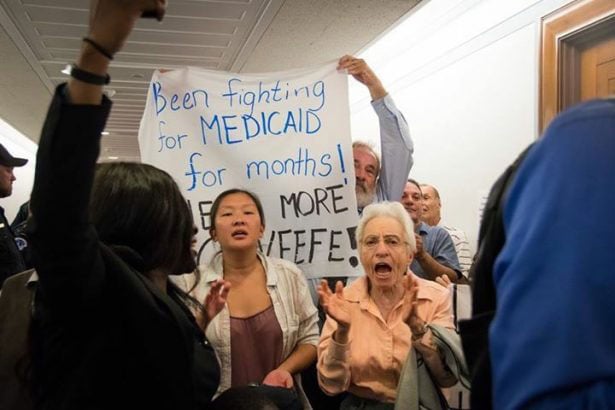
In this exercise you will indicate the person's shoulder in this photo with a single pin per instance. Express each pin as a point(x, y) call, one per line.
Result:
point(432, 286)
point(455, 233)
point(436, 231)
point(587, 110)
point(431, 289)
point(357, 290)
point(587, 116)
point(582, 133)
point(212, 270)
point(208, 273)
point(283, 266)
point(449, 229)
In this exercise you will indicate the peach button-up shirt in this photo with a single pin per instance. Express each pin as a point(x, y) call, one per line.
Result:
point(370, 363)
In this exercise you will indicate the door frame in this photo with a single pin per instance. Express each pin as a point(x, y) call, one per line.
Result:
point(564, 31)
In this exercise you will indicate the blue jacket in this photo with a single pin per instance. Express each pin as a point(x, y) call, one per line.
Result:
point(552, 341)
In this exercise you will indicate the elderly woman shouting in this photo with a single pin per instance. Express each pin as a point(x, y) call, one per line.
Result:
point(374, 322)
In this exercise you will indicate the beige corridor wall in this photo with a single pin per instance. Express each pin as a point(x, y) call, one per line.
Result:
point(465, 75)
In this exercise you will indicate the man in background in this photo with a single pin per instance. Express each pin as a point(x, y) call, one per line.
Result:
point(435, 253)
point(376, 178)
point(380, 178)
point(11, 261)
point(431, 215)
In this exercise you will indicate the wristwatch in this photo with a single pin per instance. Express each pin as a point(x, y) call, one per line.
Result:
point(421, 333)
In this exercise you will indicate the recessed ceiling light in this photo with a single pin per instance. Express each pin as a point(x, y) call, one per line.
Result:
point(110, 92)
point(113, 158)
point(104, 133)
point(67, 69)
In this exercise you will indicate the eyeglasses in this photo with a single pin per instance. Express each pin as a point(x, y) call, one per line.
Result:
point(390, 241)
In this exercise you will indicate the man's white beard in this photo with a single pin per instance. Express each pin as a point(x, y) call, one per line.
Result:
point(364, 198)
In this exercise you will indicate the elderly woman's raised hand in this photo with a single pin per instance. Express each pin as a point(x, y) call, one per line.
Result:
point(334, 304)
point(425, 346)
point(409, 312)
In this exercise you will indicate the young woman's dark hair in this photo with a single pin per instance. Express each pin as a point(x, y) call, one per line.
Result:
point(141, 207)
point(216, 205)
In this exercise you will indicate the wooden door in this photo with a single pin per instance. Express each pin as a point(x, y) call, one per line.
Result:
point(598, 68)
point(578, 56)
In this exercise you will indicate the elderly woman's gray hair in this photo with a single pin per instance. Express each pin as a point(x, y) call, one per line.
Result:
point(392, 210)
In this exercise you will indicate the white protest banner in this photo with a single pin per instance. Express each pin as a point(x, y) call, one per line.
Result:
point(284, 136)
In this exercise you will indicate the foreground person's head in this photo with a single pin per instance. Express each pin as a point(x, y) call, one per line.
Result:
point(141, 207)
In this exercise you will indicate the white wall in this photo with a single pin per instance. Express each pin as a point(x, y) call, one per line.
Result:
point(19, 146)
point(465, 75)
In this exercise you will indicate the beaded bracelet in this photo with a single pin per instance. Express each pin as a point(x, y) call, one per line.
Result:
point(98, 47)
